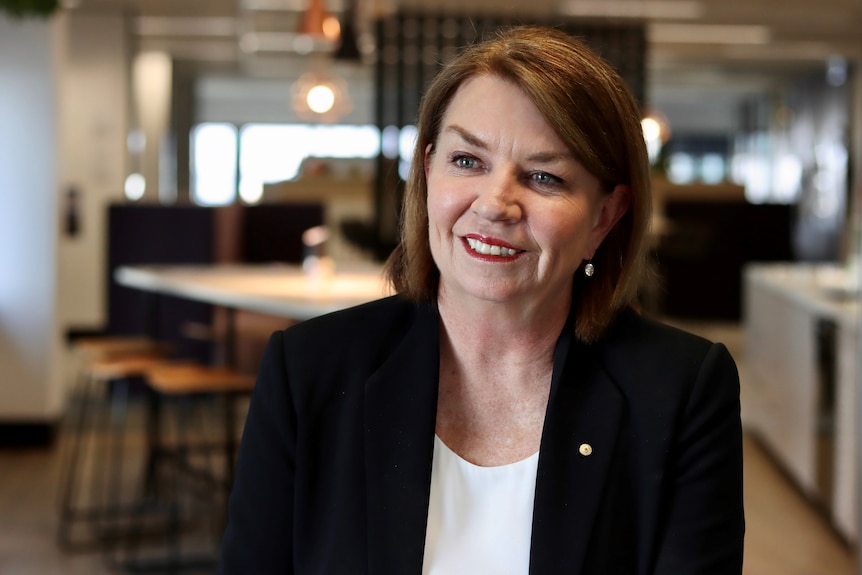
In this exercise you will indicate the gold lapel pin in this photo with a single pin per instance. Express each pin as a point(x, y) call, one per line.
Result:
point(585, 449)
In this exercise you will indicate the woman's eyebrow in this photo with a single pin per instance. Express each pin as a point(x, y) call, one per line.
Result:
point(545, 157)
point(548, 157)
point(468, 137)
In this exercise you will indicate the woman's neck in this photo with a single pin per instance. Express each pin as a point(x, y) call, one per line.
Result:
point(501, 332)
point(495, 378)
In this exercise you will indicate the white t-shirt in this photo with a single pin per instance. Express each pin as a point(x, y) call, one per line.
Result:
point(480, 519)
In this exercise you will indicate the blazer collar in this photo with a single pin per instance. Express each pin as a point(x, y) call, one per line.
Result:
point(400, 416)
point(584, 413)
point(581, 426)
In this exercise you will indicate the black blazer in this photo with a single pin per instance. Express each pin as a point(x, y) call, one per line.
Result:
point(334, 468)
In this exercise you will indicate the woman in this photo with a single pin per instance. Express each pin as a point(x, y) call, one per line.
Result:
point(507, 412)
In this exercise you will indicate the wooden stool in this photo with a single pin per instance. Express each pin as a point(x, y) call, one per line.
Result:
point(99, 421)
point(184, 382)
point(184, 387)
point(106, 346)
point(176, 380)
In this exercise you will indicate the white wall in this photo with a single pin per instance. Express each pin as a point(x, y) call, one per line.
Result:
point(94, 118)
point(30, 382)
point(151, 84)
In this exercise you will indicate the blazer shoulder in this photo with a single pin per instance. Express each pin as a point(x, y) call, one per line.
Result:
point(642, 334)
point(640, 349)
point(362, 331)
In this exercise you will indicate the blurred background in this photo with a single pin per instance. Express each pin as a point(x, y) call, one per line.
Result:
point(216, 132)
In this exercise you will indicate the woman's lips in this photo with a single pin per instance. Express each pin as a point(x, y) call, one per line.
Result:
point(490, 247)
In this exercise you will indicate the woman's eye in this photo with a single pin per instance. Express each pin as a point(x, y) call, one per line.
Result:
point(545, 179)
point(465, 162)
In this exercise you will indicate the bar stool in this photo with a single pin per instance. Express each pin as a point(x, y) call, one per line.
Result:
point(178, 390)
point(188, 382)
point(102, 392)
point(105, 346)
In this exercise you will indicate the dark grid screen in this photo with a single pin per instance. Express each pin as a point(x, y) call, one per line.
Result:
point(411, 48)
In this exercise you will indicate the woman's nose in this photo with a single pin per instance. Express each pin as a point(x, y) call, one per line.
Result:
point(497, 199)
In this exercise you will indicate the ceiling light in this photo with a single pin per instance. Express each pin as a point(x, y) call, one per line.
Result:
point(648, 9)
point(252, 42)
point(779, 52)
point(185, 26)
point(273, 5)
point(135, 187)
point(348, 46)
point(707, 34)
point(318, 22)
point(320, 97)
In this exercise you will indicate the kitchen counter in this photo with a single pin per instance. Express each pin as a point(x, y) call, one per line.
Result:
point(801, 326)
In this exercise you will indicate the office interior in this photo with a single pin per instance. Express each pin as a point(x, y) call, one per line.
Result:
point(158, 132)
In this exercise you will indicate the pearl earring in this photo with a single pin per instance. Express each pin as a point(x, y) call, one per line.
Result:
point(589, 269)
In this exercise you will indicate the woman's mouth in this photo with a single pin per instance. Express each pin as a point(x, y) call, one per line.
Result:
point(488, 249)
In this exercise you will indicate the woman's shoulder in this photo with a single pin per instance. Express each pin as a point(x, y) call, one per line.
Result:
point(639, 347)
point(637, 331)
point(379, 323)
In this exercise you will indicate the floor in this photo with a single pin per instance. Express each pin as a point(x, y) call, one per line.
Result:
point(785, 536)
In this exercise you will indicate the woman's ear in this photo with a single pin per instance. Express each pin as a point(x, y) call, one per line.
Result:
point(612, 208)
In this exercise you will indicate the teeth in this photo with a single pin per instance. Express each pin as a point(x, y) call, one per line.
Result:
point(488, 249)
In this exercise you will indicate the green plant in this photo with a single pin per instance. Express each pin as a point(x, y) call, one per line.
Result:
point(23, 8)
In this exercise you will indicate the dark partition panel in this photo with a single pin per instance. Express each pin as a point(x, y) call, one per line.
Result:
point(701, 258)
point(273, 232)
point(153, 234)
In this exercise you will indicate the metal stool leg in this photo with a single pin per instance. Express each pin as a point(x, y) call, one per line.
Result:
point(72, 467)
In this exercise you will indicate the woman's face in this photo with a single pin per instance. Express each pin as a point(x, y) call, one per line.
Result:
point(512, 215)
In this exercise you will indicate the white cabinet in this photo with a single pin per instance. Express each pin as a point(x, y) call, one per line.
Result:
point(801, 333)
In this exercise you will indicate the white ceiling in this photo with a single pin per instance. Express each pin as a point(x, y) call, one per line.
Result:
point(715, 50)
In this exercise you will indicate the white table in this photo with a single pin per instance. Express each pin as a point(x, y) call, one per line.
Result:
point(273, 289)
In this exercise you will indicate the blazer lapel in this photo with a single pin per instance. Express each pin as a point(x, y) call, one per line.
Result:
point(581, 427)
point(400, 415)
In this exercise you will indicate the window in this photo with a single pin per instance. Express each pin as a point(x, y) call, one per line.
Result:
point(214, 152)
point(266, 153)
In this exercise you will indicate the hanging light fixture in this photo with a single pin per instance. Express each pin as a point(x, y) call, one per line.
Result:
point(317, 22)
point(321, 97)
point(348, 45)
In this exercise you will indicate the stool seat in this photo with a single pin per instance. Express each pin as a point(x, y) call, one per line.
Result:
point(130, 366)
point(196, 379)
point(107, 346)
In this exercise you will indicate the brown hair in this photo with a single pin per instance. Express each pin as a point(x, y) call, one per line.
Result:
point(593, 112)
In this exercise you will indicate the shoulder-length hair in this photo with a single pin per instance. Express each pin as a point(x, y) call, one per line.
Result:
point(594, 114)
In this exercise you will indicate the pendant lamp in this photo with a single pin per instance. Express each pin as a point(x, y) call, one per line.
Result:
point(348, 45)
point(319, 96)
point(318, 22)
